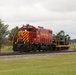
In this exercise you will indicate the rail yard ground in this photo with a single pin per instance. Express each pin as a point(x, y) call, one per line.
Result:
point(64, 64)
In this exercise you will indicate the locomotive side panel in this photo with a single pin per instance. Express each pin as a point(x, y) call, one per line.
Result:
point(44, 36)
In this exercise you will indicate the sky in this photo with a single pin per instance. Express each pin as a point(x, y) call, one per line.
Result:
point(51, 14)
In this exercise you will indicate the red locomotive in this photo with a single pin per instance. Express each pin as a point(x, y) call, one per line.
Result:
point(30, 38)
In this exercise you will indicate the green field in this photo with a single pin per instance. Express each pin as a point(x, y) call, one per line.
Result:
point(6, 49)
point(73, 46)
point(39, 65)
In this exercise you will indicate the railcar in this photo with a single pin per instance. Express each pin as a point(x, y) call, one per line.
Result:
point(30, 38)
point(61, 40)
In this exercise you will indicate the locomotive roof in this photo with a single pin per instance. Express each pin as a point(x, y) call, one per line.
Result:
point(37, 28)
point(44, 29)
point(27, 26)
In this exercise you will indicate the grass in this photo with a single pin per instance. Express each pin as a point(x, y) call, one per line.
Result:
point(39, 65)
point(73, 46)
point(6, 49)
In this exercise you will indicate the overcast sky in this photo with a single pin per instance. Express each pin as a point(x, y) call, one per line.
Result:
point(51, 14)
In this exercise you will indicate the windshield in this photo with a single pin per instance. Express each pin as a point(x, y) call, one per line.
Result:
point(29, 29)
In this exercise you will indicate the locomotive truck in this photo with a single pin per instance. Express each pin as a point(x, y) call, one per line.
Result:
point(30, 38)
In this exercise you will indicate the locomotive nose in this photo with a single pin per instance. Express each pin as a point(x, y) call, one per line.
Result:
point(24, 36)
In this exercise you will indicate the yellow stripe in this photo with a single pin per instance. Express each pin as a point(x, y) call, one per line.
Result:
point(25, 37)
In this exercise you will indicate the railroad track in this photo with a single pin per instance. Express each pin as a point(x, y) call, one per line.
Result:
point(33, 54)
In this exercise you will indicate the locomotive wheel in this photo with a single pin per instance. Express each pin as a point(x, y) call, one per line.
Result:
point(54, 47)
point(21, 48)
point(50, 48)
point(26, 49)
point(15, 48)
point(35, 48)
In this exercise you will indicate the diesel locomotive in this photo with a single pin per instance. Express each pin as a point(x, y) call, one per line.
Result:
point(30, 38)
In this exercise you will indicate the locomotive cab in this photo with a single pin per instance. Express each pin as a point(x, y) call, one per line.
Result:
point(24, 38)
point(27, 31)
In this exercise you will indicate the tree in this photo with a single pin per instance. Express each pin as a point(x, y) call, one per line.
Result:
point(3, 33)
point(13, 33)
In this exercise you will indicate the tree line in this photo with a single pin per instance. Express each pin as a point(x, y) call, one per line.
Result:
point(6, 36)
